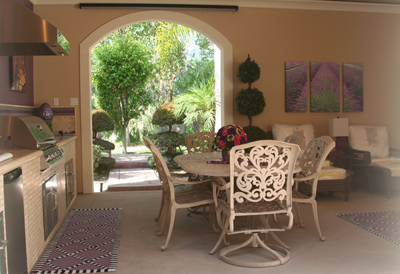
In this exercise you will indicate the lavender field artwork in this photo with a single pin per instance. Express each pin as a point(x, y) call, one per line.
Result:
point(353, 87)
point(325, 87)
point(296, 86)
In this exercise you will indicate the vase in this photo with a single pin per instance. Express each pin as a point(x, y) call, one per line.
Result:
point(225, 155)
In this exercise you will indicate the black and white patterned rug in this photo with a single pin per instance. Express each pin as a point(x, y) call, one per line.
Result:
point(88, 242)
point(385, 224)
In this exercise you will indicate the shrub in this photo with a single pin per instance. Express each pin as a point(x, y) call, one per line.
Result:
point(164, 116)
point(255, 133)
point(101, 121)
point(96, 156)
point(249, 102)
point(105, 165)
point(103, 144)
point(168, 139)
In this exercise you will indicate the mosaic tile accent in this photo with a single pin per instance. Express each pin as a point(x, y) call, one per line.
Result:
point(15, 111)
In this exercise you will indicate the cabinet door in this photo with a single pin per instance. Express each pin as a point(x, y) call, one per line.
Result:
point(69, 182)
point(50, 204)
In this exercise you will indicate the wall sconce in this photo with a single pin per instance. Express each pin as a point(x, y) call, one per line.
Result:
point(339, 128)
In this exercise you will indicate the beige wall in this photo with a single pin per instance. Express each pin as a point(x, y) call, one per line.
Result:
point(271, 37)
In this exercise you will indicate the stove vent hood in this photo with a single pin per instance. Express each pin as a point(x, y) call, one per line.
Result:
point(22, 32)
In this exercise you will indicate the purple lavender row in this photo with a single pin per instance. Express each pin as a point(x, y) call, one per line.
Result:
point(353, 87)
point(296, 86)
point(325, 93)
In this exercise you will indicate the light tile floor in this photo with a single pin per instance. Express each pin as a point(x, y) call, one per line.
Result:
point(347, 249)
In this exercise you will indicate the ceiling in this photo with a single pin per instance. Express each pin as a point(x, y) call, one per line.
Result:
point(376, 6)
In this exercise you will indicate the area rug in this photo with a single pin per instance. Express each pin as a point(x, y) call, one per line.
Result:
point(385, 224)
point(88, 242)
point(124, 165)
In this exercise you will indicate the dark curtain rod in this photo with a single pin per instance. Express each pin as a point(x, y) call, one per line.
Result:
point(158, 7)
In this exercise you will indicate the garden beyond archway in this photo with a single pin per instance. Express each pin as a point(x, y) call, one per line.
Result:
point(223, 74)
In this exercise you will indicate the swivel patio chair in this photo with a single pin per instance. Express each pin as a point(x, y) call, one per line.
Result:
point(176, 196)
point(311, 163)
point(257, 188)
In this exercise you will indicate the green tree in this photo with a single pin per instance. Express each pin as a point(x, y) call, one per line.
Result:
point(199, 107)
point(170, 48)
point(122, 69)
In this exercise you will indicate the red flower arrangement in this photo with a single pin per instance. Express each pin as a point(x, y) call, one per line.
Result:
point(230, 136)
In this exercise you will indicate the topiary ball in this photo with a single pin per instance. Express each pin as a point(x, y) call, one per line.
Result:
point(250, 102)
point(255, 133)
point(249, 71)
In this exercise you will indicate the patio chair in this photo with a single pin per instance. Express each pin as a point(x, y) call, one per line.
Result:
point(179, 194)
point(257, 188)
point(372, 159)
point(295, 139)
point(148, 143)
point(200, 142)
point(311, 163)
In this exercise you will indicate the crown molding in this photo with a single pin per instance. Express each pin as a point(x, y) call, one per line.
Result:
point(372, 6)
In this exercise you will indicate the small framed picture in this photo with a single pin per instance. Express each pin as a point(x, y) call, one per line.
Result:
point(18, 73)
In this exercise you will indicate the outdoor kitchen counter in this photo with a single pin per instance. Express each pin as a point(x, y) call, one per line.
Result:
point(29, 161)
point(21, 156)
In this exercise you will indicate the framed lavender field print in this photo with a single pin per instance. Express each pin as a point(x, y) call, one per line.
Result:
point(325, 87)
point(353, 89)
point(295, 86)
point(17, 73)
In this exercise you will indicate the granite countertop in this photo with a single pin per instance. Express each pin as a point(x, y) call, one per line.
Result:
point(21, 156)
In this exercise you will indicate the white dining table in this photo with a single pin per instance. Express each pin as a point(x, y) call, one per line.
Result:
point(196, 163)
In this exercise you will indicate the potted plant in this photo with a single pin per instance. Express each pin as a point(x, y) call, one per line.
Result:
point(250, 102)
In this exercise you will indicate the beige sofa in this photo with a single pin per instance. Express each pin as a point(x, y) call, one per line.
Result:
point(372, 156)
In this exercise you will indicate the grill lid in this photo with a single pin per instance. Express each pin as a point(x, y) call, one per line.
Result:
point(29, 132)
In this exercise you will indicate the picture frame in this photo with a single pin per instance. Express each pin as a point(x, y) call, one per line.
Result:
point(18, 73)
point(296, 86)
point(353, 88)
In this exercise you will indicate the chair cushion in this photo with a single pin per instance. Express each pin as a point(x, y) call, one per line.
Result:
point(281, 131)
point(332, 173)
point(374, 139)
point(390, 163)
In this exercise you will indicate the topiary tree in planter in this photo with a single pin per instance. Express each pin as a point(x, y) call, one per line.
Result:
point(164, 116)
point(250, 102)
point(101, 122)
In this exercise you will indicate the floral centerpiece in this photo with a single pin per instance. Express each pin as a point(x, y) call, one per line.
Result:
point(228, 137)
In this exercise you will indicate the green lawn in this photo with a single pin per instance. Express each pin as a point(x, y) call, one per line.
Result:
point(135, 149)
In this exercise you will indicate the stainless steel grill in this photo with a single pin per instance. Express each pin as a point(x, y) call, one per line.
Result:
point(30, 132)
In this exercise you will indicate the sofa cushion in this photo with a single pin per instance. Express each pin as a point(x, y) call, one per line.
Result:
point(390, 163)
point(281, 131)
point(374, 139)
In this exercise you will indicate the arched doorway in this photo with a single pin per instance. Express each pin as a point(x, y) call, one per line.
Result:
point(224, 74)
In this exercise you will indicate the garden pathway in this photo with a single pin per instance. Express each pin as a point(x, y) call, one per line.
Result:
point(131, 173)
